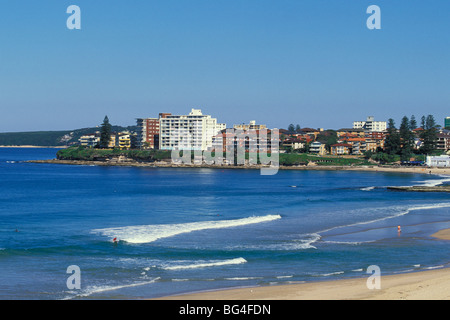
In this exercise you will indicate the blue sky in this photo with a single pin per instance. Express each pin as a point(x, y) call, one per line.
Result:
point(311, 62)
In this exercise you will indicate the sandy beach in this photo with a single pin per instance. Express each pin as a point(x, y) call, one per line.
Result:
point(422, 285)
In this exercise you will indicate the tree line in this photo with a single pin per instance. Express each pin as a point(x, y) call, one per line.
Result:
point(402, 141)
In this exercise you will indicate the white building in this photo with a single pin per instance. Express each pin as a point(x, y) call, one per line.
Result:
point(370, 125)
point(194, 131)
point(89, 140)
point(317, 148)
point(438, 161)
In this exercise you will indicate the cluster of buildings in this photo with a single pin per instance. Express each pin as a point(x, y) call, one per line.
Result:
point(171, 132)
point(197, 131)
point(365, 136)
point(122, 140)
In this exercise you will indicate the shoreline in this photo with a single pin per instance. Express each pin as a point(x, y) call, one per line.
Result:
point(32, 146)
point(415, 285)
point(373, 168)
point(420, 285)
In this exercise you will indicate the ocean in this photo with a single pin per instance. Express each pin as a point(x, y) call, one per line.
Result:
point(182, 230)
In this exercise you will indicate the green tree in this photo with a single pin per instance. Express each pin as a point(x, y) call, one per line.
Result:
point(406, 139)
point(328, 137)
point(297, 128)
point(413, 123)
point(291, 128)
point(105, 133)
point(429, 134)
point(393, 141)
point(422, 122)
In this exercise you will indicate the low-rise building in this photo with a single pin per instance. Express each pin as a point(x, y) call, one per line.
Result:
point(293, 144)
point(124, 140)
point(350, 132)
point(443, 141)
point(438, 161)
point(90, 140)
point(341, 149)
point(317, 148)
point(358, 145)
point(248, 140)
point(370, 125)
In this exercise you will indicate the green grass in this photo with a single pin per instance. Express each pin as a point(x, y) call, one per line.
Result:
point(285, 159)
point(290, 159)
point(90, 154)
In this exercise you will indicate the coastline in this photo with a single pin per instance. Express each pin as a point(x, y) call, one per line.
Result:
point(161, 164)
point(31, 146)
point(419, 285)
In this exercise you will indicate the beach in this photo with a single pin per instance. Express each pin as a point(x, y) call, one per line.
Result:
point(422, 285)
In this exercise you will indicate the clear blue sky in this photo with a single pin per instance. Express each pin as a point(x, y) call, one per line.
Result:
point(311, 62)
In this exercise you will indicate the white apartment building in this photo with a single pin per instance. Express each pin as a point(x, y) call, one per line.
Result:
point(438, 161)
point(194, 131)
point(370, 125)
point(89, 140)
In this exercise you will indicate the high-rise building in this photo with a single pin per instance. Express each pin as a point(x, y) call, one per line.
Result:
point(370, 125)
point(148, 131)
point(194, 131)
point(447, 122)
point(251, 126)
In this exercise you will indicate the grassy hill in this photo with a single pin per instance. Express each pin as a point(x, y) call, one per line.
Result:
point(50, 138)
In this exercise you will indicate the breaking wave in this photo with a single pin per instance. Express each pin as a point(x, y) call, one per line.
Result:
point(151, 233)
point(205, 264)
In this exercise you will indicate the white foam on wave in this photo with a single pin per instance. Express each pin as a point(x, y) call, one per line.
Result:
point(435, 182)
point(284, 277)
point(331, 273)
point(367, 188)
point(400, 211)
point(354, 243)
point(205, 264)
point(434, 267)
point(243, 278)
point(100, 289)
point(305, 242)
point(151, 233)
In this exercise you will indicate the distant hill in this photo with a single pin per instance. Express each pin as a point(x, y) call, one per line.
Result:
point(51, 138)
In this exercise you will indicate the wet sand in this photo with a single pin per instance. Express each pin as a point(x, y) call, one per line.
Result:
point(422, 285)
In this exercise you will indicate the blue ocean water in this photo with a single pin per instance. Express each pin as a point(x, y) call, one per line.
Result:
point(183, 230)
